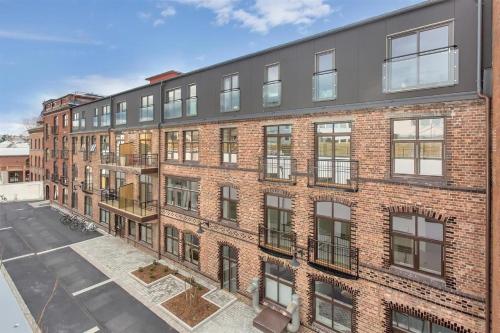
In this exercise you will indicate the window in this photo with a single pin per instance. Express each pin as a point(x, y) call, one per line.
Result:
point(65, 120)
point(172, 240)
point(104, 216)
point(146, 110)
point(104, 179)
point(278, 284)
point(418, 147)
point(172, 144)
point(230, 145)
point(278, 149)
point(65, 196)
point(229, 268)
point(146, 233)
point(106, 116)
point(95, 118)
point(88, 178)
point(191, 145)
point(173, 105)
point(192, 101)
point(182, 193)
point(145, 143)
point(145, 188)
point(132, 229)
point(119, 140)
point(405, 323)
point(229, 203)
point(74, 200)
point(332, 307)
point(191, 249)
point(422, 58)
point(278, 222)
point(333, 153)
point(325, 76)
point(74, 172)
point(82, 120)
point(121, 113)
point(14, 176)
point(104, 145)
point(56, 192)
point(230, 95)
point(74, 142)
point(417, 243)
point(88, 206)
point(119, 179)
point(271, 91)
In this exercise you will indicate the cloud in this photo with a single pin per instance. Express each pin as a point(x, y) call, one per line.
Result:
point(144, 15)
point(168, 11)
point(165, 11)
point(158, 22)
point(223, 9)
point(38, 37)
point(101, 85)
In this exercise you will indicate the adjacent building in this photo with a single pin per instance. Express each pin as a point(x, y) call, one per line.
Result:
point(36, 153)
point(350, 168)
point(14, 162)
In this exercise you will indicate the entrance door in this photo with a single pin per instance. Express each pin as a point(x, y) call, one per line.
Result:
point(119, 226)
point(229, 268)
point(47, 192)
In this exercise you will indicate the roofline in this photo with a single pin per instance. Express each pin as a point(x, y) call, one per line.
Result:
point(167, 72)
point(425, 3)
point(89, 95)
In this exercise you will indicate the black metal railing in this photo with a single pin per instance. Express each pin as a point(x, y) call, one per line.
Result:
point(55, 178)
point(64, 180)
point(65, 154)
point(131, 160)
point(334, 173)
point(336, 255)
point(136, 207)
point(278, 241)
point(87, 187)
point(278, 169)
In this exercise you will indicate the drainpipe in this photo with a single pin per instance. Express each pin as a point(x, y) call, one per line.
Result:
point(253, 289)
point(293, 309)
point(159, 170)
point(479, 89)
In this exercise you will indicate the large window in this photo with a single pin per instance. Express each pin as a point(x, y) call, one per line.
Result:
point(145, 143)
point(65, 120)
point(88, 206)
point(172, 145)
point(230, 145)
point(145, 188)
point(82, 120)
point(332, 307)
point(106, 116)
point(333, 153)
point(325, 76)
point(418, 146)
point(278, 284)
point(278, 150)
point(95, 118)
point(192, 101)
point(417, 243)
point(132, 229)
point(172, 240)
point(229, 262)
point(65, 196)
point(146, 233)
point(104, 145)
point(15, 176)
point(182, 193)
point(405, 323)
point(278, 222)
point(119, 179)
point(421, 58)
point(121, 113)
point(173, 104)
point(271, 91)
point(229, 203)
point(104, 216)
point(191, 145)
point(230, 95)
point(191, 249)
point(146, 110)
point(104, 184)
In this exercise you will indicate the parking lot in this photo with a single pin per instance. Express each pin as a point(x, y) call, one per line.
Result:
point(72, 294)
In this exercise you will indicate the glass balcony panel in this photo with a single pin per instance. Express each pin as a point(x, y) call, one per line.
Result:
point(230, 100)
point(325, 86)
point(146, 113)
point(192, 106)
point(121, 118)
point(173, 109)
point(271, 94)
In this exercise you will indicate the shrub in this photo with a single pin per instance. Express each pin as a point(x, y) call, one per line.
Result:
point(141, 269)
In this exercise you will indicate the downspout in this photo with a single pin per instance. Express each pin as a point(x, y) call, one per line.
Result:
point(109, 152)
point(159, 170)
point(479, 90)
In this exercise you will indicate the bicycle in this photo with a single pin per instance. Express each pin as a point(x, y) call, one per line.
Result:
point(65, 219)
point(89, 227)
point(75, 224)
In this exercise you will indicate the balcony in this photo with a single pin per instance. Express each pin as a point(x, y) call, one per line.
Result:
point(145, 162)
point(277, 242)
point(279, 169)
point(324, 85)
point(230, 100)
point(55, 178)
point(191, 106)
point(87, 187)
point(427, 69)
point(173, 109)
point(336, 257)
point(338, 174)
point(64, 180)
point(65, 154)
point(134, 209)
point(271, 94)
point(146, 113)
point(121, 118)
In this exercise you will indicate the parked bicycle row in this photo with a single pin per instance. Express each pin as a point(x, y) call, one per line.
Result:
point(75, 222)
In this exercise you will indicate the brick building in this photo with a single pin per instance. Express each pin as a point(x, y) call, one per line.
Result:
point(14, 162)
point(350, 168)
point(36, 158)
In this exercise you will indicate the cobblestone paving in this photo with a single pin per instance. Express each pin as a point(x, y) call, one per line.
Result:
point(117, 259)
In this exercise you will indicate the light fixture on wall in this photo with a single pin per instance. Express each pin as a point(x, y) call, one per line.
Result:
point(200, 229)
point(294, 262)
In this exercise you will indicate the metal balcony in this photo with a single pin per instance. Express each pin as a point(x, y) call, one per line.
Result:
point(335, 257)
point(65, 154)
point(140, 211)
point(140, 161)
point(64, 180)
point(87, 187)
point(339, 174)
point(277, 242)
point(279, 169)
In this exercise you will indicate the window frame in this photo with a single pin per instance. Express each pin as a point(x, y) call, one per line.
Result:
point(333, 302)
point(171, 146)
point(191, 99)
point(316, 72)
point(278, 280)
point(267, 82)
point(231, 89)
point(132, 232)
point(146, 106)
point(174, 240)
point(180, 191)
point(229, 201)
point(231, 145)
point(87, 206)
point(193, 247)
point(191, 144)
point(429, 327)
point(174, 100)
point(146, 233)
point(107, 216)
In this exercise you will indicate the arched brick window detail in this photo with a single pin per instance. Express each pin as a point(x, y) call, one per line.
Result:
point(233, 257)
point(262, 275)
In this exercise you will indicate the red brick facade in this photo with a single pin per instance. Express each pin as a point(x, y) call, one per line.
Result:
point(37, 163)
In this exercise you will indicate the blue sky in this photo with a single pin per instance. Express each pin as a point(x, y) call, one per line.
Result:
point(52, 47)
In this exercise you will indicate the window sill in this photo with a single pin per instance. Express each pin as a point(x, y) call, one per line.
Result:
point(434, 281)
point(181, 211)
point(229, 223)
point(229, 165)
point(189, 162)
point(173, 162)
point(171, 256)
point(191, 265)
point(319, 100)
point(418, 180)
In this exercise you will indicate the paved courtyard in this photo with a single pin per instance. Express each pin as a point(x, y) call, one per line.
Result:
point(87, 279)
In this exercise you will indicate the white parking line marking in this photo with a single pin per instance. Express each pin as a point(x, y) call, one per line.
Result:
point(15, 258)
point(51, 250)
point(76, 293)
point(92, 330)
point(6, 228)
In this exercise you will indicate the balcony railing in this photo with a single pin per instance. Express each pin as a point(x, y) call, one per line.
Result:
point(192, 106)
point(64, 180)
point(342, 174)
point(426, 69)
point(325, 85)
point(87, 187)
point(135, 207)
point(121, 118)
point(65, 154)
point(55, 178)
point(173, 109)
point(131, 160)
point(336, 256)
point(271, 94)
point(277, 241)
point(230, 100)
point(146, 113)
point(282, 169)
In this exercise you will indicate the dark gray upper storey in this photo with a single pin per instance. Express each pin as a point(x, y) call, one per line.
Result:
point(359, 52)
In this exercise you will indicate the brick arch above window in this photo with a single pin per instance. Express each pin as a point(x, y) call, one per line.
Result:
point(220, 246)
point(333, 198)
point(279, 192)
point(418, 210)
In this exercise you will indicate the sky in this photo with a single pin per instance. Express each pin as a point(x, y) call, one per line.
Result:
point(49, 48)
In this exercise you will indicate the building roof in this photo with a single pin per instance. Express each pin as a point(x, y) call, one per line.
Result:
point(10, 148)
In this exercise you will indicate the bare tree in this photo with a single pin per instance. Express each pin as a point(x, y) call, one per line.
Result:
point(30, 123)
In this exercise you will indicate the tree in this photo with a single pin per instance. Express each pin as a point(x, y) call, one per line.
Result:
point(30, 123)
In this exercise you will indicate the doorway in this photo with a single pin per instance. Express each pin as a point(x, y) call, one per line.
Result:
point(119, 226)
point(229, 262)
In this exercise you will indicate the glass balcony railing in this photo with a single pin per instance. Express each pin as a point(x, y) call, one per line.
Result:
point(130, 160)
point(95, 121)
point(427, 69)
point(146, 113)
point(271, 94)
point(192, 106)
point(106, 120)
point(173, 109)
point(121, 118)
point(230, 100)
point(135, 207)
point(324, 85)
